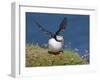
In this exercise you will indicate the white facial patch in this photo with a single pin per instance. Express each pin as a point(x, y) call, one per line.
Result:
point(59, 38)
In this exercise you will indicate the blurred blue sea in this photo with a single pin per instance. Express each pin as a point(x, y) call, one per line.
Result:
point(76, 35)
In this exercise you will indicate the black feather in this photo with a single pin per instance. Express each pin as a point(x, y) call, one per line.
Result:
point(50, 34)
point(62, 26)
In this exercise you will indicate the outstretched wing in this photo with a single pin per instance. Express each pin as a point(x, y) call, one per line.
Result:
point(50, 34)
point(62, 26)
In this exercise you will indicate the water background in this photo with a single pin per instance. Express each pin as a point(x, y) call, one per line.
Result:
point(76, 35)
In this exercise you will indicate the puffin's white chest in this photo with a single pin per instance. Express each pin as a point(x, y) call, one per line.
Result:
point(55, 45)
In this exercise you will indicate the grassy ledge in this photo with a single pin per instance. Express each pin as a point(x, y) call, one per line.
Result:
point(38, 56)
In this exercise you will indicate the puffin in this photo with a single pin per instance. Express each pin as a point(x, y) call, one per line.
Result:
point(56, 39)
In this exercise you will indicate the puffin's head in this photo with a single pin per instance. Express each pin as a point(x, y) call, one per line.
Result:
point(59, 38)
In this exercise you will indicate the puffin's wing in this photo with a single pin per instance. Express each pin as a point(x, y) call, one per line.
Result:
point(62, 26)
point(44, 30)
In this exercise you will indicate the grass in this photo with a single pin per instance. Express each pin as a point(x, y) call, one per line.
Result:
point(37, 56)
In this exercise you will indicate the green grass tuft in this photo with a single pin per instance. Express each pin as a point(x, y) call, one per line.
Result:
point(37, 56)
